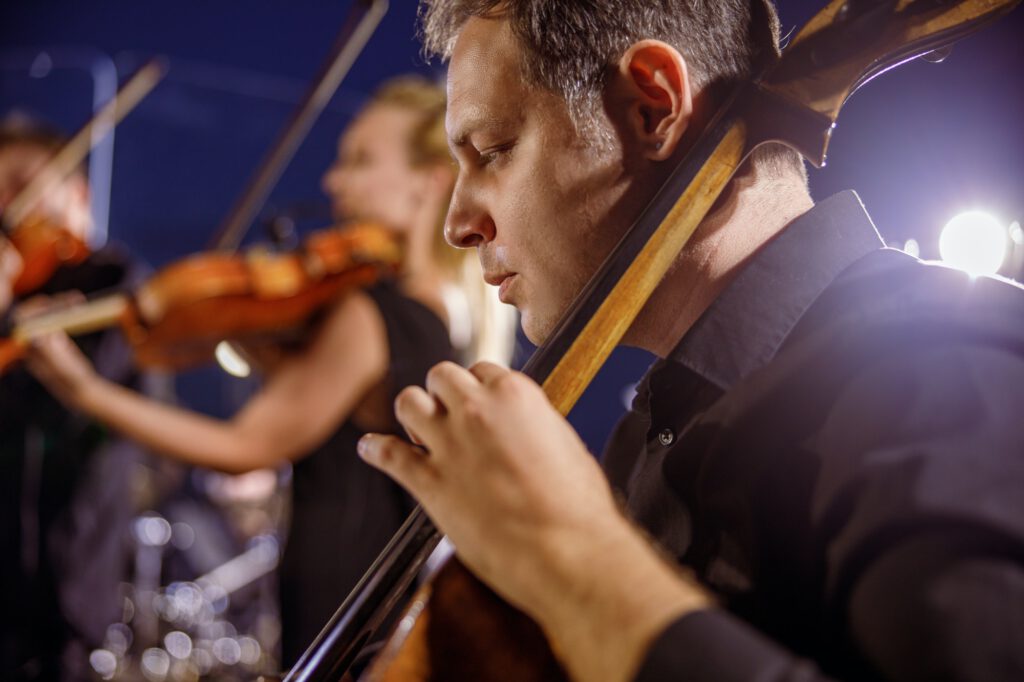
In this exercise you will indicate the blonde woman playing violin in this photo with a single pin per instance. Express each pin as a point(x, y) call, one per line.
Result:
point(392, 168)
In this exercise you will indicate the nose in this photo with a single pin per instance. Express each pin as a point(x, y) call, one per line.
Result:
point(468, 223)
point(332, 179)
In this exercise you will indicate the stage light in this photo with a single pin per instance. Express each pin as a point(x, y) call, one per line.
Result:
point(156, 663)
point(974, 242)
point(231, 361)
point(104, 663)
point(1016, 233)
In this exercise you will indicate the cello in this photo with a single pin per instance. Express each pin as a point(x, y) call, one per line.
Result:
point(796, 102)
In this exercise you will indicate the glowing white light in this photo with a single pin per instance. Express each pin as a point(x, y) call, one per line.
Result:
point(1016, 233)
point(104, 663)
point(119, 638)
point(974, 242)
point(152, 531)
point(187, 599)
point(912, 247)
point(178, 644)
point(230, 361)
point(156, 663)
point(250, 650)
point(227, 651)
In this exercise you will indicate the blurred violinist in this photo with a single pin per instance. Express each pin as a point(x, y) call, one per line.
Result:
point(65, 481)
point(10, 268)
point(319, 397)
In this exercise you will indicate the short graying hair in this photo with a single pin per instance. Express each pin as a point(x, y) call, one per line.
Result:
point(569, 45)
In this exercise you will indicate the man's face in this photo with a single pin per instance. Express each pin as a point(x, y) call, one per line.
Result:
point(372, 178)
point(541, 204)
point(66, 202)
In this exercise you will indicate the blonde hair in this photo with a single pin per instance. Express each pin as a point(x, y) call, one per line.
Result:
point(482, 327)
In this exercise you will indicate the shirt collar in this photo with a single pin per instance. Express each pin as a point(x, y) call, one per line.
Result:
point(748, 322)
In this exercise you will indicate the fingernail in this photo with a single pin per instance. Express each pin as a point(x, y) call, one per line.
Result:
point(363, 447)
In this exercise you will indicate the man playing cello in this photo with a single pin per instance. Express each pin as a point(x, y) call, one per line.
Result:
point(830, 444)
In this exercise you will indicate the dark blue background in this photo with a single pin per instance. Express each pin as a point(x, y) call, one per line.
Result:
point(920, 144)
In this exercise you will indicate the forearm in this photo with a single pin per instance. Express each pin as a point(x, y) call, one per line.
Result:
point(183, 435)
point(605, 600)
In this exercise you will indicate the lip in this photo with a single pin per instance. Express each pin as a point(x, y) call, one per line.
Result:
point(502, 280)
point(503, 288)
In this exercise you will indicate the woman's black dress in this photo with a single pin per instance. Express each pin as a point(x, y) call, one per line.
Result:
point(343, 510)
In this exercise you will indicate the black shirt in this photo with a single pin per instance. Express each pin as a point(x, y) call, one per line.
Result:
point(836, 450)
point(343, 510)
point(66, 500)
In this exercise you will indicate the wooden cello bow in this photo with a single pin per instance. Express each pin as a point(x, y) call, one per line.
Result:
point(448, 631)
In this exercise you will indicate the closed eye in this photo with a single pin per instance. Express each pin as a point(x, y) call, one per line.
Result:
point(490, 155)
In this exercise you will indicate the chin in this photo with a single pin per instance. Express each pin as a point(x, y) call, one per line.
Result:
point(537, 331)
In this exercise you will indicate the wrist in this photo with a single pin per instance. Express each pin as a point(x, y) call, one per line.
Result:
point(87, 391)
point(611, 594)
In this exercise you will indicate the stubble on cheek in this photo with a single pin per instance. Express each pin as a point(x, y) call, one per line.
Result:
point(564, 205)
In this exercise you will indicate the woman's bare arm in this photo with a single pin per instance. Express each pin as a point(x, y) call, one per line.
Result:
point(300, 405)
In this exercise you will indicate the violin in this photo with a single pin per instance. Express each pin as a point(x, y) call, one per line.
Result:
point(44, 246)
point(177, 318)
point(456, 628)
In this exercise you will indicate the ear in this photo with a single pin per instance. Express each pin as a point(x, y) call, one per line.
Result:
point(654, 80)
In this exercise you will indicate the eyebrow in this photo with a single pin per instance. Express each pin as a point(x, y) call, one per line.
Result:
point(466, 128)
point(459, 141)
point(472, 122)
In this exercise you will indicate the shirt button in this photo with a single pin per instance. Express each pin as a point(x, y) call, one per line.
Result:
point(666, 437)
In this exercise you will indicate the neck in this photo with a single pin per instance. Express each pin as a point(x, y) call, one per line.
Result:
point(422, 277)
point(753, 210)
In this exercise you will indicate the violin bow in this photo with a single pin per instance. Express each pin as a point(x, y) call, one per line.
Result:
point(797, 102)
point(356, 31)
point(64, 162)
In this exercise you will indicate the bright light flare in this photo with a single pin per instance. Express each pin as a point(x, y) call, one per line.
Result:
point(231, 361)
point(974, 242)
